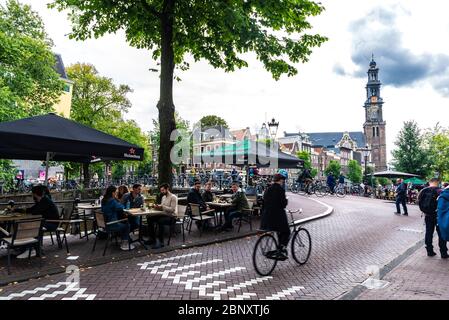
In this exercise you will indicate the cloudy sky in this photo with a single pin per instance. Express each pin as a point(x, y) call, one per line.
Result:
point(409, 40)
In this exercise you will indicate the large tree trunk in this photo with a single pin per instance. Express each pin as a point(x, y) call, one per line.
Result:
point(86, 178)
point(165, 105)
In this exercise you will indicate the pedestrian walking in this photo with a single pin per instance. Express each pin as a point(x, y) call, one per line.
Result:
point(428, 204)
point(401, 197)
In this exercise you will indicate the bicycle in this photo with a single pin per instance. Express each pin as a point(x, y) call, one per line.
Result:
point(340, 191)
point(300, 244)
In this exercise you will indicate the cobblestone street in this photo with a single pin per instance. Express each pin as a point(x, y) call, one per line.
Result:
point(360, 233)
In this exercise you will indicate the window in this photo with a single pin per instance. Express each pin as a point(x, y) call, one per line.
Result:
point(374, 131)
point(66, 88)
point(377, 131)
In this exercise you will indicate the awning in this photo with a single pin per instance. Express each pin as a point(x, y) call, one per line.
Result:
point(248, 152)
point(394, 174)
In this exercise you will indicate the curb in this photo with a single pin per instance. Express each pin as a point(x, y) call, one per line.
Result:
point(359, 289)
point(130, 256)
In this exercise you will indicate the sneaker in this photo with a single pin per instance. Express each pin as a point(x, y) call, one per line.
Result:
point(444, 256)
point(405, 214)
point(397, 213)
point(125, 247)
point(24, 255)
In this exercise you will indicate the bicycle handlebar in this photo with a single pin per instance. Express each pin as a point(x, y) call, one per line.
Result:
point(294, 211)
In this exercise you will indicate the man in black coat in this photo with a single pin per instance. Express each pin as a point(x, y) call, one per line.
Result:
point(274, 217)
point(401, 197)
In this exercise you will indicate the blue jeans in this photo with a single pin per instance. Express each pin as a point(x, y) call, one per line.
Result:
point(229, 216)
point(122, 228)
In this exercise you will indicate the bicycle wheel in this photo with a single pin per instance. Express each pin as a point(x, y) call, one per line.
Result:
point(340, 192)
point(263, 265)
point(321, 191)
point(301, 246)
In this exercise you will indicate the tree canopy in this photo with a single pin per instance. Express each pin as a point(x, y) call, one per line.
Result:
point(333, 167)
point(213, 121)
point(437, 144)
point(354, 171)
point(29, 84)
point(304, 155)
point(410, 154)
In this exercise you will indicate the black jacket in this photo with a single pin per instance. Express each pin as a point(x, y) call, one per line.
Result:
point(195, 197)
point(45, 208)
point(274, 217)
point(207, 196)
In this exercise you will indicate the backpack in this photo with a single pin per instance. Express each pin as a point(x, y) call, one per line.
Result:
point(427, 200)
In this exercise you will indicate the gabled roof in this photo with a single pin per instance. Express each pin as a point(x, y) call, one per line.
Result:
point(241, 134)
point(59, 67)
point(330, 139)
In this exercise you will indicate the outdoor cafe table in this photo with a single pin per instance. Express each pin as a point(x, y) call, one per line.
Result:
point(9, 218)
point(87, 209)
point(220, 208)
point(140, 213)
point(224, 196)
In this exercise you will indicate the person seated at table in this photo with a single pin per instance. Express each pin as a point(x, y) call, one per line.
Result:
point(47, 192)
point(122, 190)
point(112, 209)
point(133, 200)
point(208, 195)
point(195, 197)
point(167, 217)
point(44, 207)
point(239, 202)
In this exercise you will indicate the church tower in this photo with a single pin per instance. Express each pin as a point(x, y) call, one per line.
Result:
point(374, 127)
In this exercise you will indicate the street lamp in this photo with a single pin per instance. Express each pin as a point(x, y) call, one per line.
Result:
point(273, 125)
point(366, 153)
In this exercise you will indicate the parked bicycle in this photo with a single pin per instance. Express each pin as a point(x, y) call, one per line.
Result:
point(300, 243)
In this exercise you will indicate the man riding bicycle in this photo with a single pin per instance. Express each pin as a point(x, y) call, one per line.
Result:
point(274, 217)
point(306, 179)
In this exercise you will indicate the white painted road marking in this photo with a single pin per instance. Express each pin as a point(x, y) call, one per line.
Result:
point(150, 263)
point(284, 293)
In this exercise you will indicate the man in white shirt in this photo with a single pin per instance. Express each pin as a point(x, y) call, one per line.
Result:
point(168, 215)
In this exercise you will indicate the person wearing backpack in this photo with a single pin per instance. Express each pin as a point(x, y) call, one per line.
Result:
point(428, 204)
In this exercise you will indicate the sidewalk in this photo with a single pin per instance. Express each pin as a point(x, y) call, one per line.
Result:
point(418, 277)
point(56, 260)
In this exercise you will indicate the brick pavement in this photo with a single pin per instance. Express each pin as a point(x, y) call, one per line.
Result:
point(360, 233)
point(56, 261)
point(418, 277)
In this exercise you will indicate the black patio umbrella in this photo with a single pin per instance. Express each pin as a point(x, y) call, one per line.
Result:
point(51, 137)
